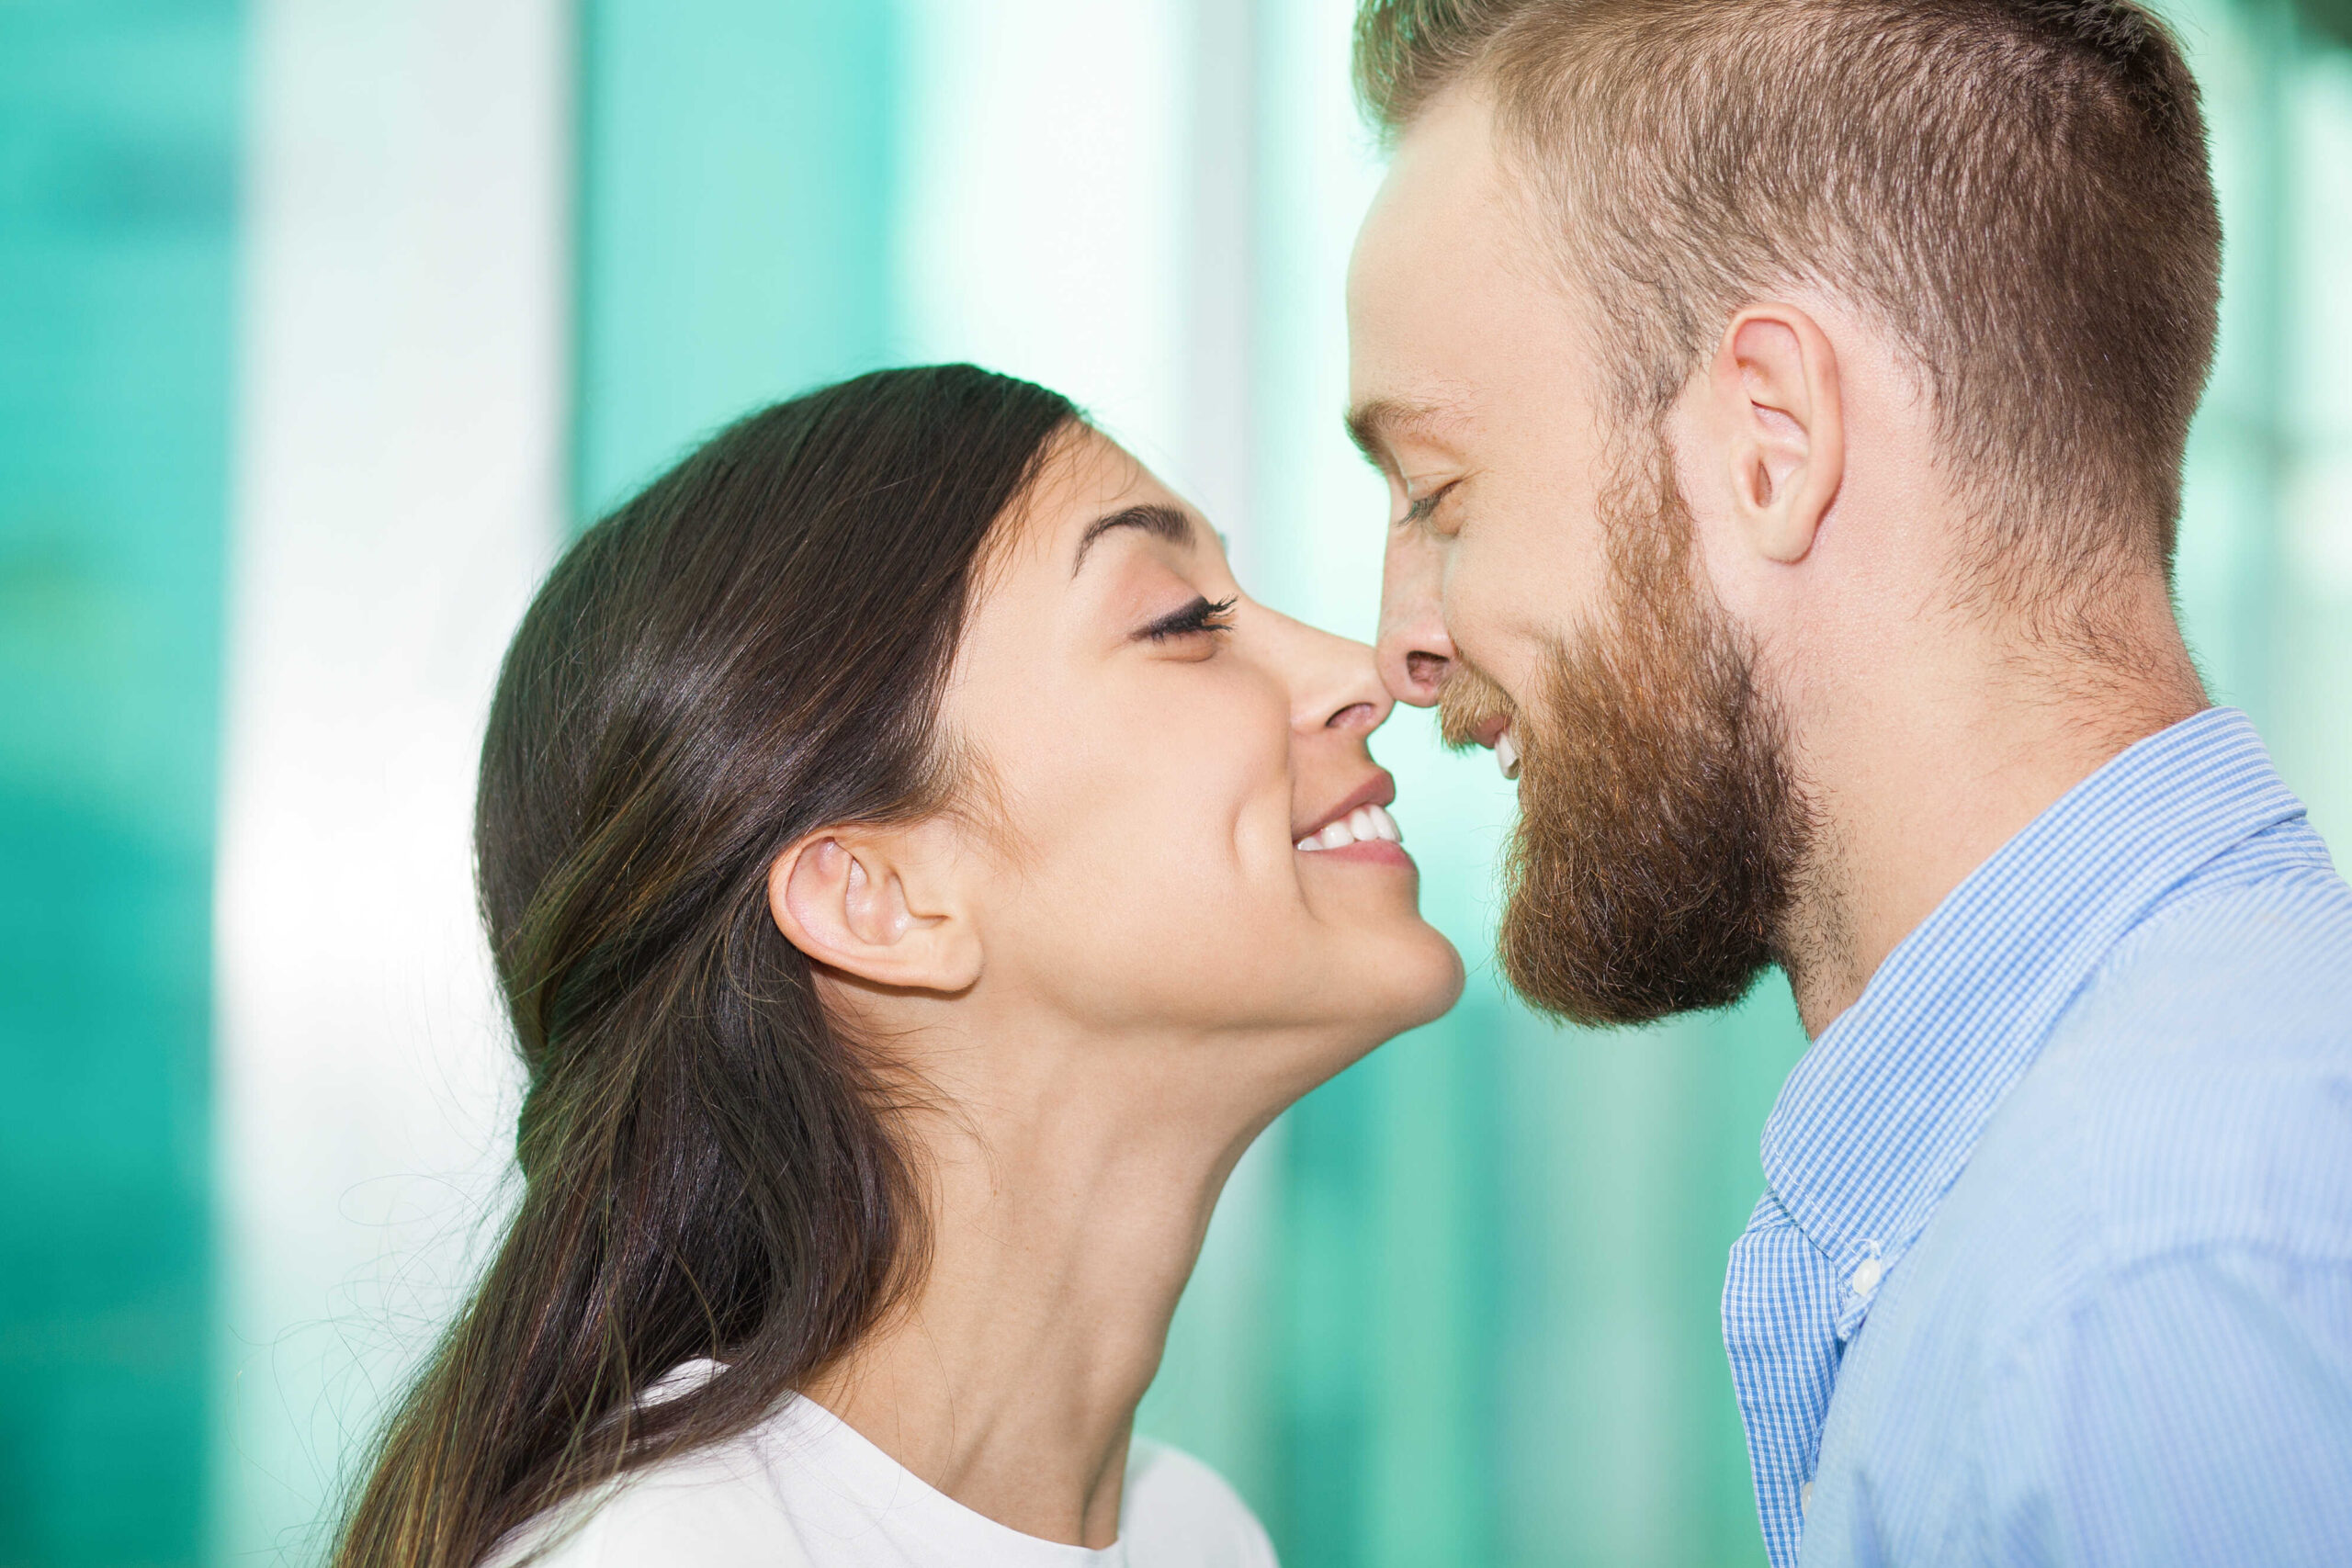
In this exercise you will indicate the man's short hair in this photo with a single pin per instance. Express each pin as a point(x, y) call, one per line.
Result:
point(2016, 189)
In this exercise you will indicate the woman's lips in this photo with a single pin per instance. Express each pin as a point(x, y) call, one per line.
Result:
point(1367, 834)
point(1377, 790)
point(1365, 851)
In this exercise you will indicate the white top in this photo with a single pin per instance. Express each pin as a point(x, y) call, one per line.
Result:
point(804, 1490)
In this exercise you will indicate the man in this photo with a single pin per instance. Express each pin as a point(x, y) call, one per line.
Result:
point(1785, 403)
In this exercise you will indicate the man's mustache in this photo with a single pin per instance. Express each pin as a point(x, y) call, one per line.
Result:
point(1469, 700)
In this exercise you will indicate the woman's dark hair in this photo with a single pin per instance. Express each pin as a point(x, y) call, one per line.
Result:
point(752, 648)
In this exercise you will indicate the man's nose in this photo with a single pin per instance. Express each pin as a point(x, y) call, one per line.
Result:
point(1414, 651)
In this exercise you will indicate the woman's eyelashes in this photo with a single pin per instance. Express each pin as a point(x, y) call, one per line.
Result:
point(1202, 616)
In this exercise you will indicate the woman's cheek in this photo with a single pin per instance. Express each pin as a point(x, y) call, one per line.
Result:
point(1177, 913)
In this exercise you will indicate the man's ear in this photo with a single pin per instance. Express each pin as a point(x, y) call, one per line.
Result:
point(876, 903)
point(1782, 420)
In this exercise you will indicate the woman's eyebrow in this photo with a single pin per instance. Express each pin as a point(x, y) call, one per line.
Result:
point(1168, 522)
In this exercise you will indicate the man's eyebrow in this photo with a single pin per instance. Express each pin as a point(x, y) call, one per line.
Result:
point(1374, 424)
point(1168, 522)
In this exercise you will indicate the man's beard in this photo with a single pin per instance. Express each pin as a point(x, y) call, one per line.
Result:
point(1661, 834)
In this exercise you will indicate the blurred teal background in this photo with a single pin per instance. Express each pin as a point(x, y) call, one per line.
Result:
point(1460, 1306)
point(118, 245)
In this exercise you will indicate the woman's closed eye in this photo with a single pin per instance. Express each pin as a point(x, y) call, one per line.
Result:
point(1203, 617)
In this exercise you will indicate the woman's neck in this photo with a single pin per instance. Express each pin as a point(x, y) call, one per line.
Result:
point(1065, 1213)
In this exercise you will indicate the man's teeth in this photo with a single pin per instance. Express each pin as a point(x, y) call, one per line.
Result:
point(1362, 826)
point(1506, 755)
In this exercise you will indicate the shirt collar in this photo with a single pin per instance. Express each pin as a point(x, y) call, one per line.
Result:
point(1881, 1113)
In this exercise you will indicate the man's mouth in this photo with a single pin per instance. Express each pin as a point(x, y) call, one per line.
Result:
point(1472, 710)
point(1507, 754)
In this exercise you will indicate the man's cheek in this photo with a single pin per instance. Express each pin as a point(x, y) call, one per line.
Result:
point(1501, 635)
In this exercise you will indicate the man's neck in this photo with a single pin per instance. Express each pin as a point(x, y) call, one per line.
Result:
point(1946, 748)
point(1062, 1233)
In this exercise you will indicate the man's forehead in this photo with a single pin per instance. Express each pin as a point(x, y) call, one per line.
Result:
point(1444, 174)
point(1439, 285)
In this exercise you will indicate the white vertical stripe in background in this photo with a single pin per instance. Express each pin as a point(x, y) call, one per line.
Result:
point(397, 492)
point(1041, 231)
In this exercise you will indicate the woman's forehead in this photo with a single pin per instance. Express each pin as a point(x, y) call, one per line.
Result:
point(1087, 475)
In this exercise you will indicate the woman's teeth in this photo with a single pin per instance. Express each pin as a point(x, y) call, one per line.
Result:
point(1362, 824)
point(1506, 755)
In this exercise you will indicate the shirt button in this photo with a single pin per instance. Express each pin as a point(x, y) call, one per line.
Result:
point(1804, 1498)
point(1865, 1278)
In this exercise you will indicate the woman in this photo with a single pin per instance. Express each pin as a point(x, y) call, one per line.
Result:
point(916, 873)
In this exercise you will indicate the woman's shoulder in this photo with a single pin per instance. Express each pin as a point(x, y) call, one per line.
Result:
point(802, 1491)
point(1176, 1512)
point(711, 1508)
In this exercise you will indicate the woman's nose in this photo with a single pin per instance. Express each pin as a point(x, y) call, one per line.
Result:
point(1415, 650)
point(1335, 683)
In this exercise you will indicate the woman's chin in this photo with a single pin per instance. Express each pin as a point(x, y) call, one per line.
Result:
point(1416, 979)
point(1443, 982)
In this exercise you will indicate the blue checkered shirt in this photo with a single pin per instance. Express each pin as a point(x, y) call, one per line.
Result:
point(2055, 1264)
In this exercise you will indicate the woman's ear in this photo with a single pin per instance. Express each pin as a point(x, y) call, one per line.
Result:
point(876, 903)
point(1781, 416)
